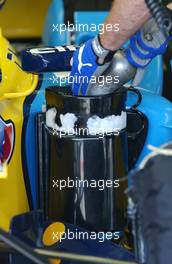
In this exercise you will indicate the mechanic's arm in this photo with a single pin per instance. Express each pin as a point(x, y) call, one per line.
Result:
point(93, 59)
point(130, 15)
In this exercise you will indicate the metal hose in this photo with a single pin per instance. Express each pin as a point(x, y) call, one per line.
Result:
point(161, 15)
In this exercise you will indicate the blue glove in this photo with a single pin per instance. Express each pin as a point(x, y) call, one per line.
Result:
point(90, 60)
point(146, 44)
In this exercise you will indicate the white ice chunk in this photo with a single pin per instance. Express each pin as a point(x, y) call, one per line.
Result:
point(95, 124)
point(50, 118)
point(109, 124)
point(68, 122)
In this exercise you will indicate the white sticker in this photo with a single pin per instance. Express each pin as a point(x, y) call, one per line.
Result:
point(42, 51)
point(60, 48)
point(71, 48)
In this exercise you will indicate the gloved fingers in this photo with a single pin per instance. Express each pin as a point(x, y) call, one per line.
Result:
point(95, 79)
point(87, 66)
point(73, 81)
point(81, 82)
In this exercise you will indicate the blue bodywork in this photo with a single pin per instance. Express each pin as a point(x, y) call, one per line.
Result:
point(158, 110)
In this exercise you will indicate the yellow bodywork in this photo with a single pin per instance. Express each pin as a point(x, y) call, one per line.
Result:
point(23, 18)
point(14, 87)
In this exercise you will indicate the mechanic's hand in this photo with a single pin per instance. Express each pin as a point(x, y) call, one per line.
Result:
point(90, 60)
point(146, 44)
